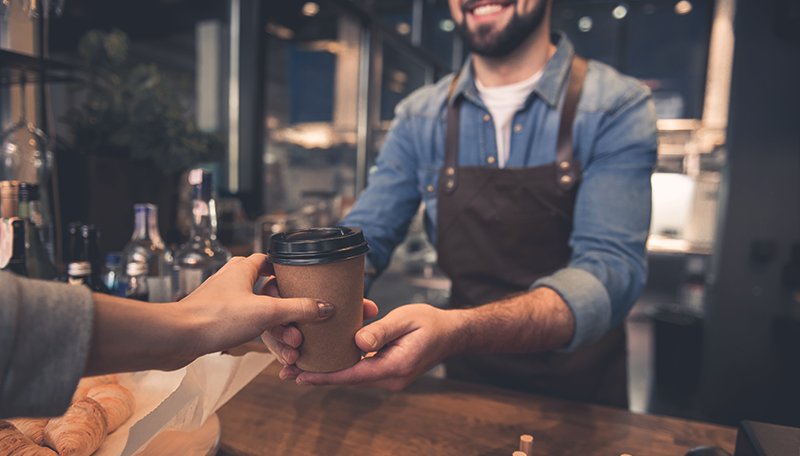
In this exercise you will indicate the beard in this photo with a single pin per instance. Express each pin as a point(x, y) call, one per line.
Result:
point(488, 44)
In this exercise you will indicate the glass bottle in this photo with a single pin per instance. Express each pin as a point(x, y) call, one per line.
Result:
point(16, 263)
point(36, 256)
point(71, 248)
point(203, 254)
point(91, 240)
point(134, 283)
point(84, 267)
point(146, 246)
point(112, 274)
point(26, 157)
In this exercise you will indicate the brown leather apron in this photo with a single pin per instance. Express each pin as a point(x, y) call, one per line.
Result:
point(498, 230)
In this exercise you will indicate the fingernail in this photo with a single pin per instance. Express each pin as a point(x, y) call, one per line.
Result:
point(285, 355)
point(325, 309)
point(301, 382)
point(287, 338)
point(368, 337)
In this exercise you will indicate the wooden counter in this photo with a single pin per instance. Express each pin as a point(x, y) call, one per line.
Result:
point(442, 417)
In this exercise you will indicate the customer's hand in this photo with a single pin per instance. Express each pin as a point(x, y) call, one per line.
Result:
point(283, 340)
point(239, 315)
point(220, 314)
point(402, 346)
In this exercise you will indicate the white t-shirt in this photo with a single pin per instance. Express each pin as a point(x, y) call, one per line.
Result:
point(503, 102)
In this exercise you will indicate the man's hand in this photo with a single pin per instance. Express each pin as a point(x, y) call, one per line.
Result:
point(401, 347)
point(413, 338)
point(283, 340)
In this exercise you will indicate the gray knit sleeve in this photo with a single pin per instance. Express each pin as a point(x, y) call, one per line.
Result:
point(45, 328)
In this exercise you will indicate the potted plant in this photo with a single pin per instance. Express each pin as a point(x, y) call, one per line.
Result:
point(131, 136)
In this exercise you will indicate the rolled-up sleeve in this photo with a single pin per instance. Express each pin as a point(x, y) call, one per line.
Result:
point(45, 329)
point(607, 269)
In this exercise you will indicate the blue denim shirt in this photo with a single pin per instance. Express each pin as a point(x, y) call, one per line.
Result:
point(614, 137)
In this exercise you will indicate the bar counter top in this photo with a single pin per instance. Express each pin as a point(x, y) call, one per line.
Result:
point(440, 417)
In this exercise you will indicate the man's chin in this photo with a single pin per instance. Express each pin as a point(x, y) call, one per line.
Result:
point(500, 37)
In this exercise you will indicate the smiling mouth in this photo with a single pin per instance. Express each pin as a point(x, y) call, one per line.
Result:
point(484, 8)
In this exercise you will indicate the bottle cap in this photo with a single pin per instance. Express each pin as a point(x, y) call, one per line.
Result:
point(136, 268)
point(28, 192)
point(79, 268)
point(316, 245)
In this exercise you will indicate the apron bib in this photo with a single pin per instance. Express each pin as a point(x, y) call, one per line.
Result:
point(498, 230)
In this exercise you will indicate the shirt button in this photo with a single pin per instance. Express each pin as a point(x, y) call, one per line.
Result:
point(486, 117)
point(517, 128)
point(490, 160)
point(566, 180)
point(564, 165)
point(430, 188)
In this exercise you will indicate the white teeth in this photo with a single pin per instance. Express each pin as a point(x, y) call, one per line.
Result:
point(486, 9)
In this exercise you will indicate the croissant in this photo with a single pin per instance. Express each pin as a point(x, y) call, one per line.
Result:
point(87, 383)
point(78, 432)
point(117, 401)
point(31, 427)
point(15, 443)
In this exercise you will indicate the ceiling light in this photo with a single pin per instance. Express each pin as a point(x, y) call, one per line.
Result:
point(310, 9)
point(683, 7)
point(585, 24)
point(403, 28)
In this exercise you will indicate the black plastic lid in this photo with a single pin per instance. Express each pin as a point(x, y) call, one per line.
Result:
point(316, 245)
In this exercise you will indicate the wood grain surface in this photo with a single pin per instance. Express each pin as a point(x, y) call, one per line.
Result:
point(442, 417)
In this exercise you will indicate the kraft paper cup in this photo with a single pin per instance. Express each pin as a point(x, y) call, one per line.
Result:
point(327, 264)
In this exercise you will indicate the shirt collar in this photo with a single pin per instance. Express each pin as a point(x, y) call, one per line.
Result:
point(549, 86)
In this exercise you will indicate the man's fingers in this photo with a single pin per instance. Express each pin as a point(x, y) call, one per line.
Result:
point(370, 309)
point(372, 337)
point(284, 353)
point(270, 288)
point(287, 334)
point(289, 372)
point(373, 372)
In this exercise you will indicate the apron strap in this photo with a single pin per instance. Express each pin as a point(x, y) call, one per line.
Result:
point(451, 139)
point(566, 170)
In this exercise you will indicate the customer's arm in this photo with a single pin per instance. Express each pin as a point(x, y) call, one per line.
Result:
point(45, 329)
point(222, 313)
point(54, 333)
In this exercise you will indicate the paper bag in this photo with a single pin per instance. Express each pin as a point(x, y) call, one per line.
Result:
point(180, 400)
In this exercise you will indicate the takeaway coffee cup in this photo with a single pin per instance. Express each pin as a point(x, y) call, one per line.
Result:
point(328, 264)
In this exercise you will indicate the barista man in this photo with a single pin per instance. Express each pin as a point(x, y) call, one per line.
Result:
point(534, 167)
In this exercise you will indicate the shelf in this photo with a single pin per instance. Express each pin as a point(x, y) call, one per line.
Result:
point(13, 65)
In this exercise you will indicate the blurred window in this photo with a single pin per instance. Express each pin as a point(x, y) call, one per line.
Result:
point(311, 101)
point(663, 43)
